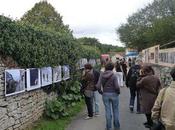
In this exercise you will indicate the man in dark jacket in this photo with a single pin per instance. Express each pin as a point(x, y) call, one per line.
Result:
point(131, 80)
point(108, 80)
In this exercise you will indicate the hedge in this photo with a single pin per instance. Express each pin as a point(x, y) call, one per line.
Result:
point(35, 48)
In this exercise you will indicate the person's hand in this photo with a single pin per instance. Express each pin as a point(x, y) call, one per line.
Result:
point(101, 92)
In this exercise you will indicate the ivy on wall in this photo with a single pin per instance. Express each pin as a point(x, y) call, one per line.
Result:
point(35, 48)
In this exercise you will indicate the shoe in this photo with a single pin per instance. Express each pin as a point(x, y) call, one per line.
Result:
point(87, 118)
point(97, 115)
point(131, 109)
point(145, 123)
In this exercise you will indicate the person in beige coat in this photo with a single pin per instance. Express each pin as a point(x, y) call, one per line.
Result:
point(164, 107)
point(149, 86)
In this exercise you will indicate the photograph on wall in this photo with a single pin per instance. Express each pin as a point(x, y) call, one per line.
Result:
point(83, 61)
point(57, 76)
point(81, 64)
point(14, 81)
point(92, 62)
point(66, 72)
point(46, 76)
point(78, 64)
point(156, 54)
point(33, 79)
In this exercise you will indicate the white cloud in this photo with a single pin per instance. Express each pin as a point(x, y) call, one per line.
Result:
point(93, 18)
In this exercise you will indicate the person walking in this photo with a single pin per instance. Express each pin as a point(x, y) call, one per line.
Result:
point(124, 69)
point(129, 62)
point(118, 71)
point(163, 111)
point(149, 86)
point(131, 80)
point(88, 87)
point(110, 94)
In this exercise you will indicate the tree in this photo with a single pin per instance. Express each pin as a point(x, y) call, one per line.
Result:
point(149, 26)
point(44, 16)
point(94, 44)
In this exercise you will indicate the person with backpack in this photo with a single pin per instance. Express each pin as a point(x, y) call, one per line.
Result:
point(110, 94)
point(149, 86)
point(131, 80)
point(163, 111)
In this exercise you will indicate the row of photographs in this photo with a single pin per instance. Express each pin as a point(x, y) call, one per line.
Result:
point(84, 61)
point(20, 80)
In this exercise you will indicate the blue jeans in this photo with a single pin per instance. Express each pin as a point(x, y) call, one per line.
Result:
point(134, 93)
point(111, 100)
point(96, 102)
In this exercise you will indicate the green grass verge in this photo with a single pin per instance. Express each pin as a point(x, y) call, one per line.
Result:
point(60, 124)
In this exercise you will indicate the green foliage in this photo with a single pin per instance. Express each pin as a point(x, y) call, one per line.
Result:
point(151, 25)
point(35, 48)
point(94, 48)
point(61, 123)
point(90, 52)
point(44, 16)
point(60, 107)
point(55, 109)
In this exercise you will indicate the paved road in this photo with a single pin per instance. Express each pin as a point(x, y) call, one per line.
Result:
point(129, 121)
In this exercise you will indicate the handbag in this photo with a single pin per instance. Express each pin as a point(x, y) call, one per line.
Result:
point(158, 126)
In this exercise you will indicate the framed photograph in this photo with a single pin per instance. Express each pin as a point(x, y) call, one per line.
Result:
point(66, 72)
point(46, 76)
point(83, 61)
point(14, 81)
point(92, 62)
point(33, 79)
point(81, 64)
point(57, 74)
point(78, 66)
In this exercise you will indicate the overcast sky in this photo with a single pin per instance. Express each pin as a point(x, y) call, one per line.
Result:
point(90, 18)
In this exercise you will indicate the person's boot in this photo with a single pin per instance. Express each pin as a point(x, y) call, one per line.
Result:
point(131, 109)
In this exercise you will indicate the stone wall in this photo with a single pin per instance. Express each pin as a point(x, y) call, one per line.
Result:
point(164, 74)
point(19, 111)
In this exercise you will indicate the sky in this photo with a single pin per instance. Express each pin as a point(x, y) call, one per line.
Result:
point(87, 18)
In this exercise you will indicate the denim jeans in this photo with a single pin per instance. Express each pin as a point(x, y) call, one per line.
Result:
point(134, 93)
point(89, 106)
point(111, 100)
point(96, 102)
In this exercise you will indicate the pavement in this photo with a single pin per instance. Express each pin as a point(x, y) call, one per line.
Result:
point(128, 121)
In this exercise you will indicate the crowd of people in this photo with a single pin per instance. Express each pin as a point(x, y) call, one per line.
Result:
point(156, 103)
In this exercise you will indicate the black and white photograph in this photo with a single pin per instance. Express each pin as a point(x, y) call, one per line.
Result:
point(57, 74)
point(66, 72)
point(92, 62)
point(83, 61)
point(46, 76)
point(33, 79)
point(14, 81)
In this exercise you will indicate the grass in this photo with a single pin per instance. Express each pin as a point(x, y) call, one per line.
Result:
point(60, 124)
